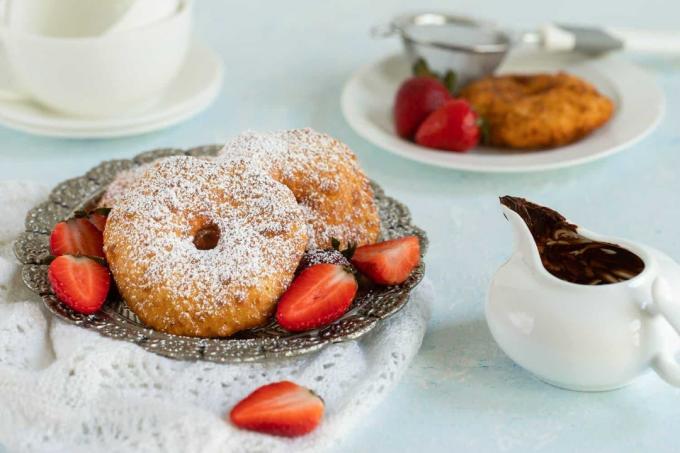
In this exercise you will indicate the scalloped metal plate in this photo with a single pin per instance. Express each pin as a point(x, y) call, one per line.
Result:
point(116, 320)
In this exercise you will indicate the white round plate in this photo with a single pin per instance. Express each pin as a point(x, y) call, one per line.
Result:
point(368, 96)
point(194, 89)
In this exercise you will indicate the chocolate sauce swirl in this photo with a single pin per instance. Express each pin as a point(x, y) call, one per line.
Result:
point(570, 256)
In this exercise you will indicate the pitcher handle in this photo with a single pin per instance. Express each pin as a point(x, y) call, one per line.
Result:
point(665, 363)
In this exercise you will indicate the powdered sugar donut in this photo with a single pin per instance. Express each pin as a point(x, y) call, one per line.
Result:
point(323, 174)
point(204, 249)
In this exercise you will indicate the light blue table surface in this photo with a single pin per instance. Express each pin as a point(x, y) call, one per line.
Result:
point(286, 63)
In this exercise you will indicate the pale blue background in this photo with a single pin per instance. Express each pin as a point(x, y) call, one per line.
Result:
point(286, 64)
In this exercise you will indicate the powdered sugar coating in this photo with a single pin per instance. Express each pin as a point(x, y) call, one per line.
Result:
point(320, 256)
point(173, 286)
point(120, 185)
point(124, 180)
point(323, 174)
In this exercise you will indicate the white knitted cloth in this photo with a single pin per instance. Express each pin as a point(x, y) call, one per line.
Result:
point(67, 389)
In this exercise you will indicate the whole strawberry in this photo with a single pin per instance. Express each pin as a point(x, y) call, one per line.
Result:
point(416, 99)
point(452, 127)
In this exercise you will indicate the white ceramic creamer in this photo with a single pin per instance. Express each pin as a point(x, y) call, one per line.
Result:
point(586, 337)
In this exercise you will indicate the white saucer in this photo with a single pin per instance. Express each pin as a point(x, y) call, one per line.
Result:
point(368, 96)
point(194, 89)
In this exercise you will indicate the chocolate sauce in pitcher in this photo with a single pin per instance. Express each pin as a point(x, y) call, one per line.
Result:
point(568, 255)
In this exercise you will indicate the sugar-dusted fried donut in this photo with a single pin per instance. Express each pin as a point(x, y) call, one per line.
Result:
point(538, 111)
point(203, 249)
point(323, 174)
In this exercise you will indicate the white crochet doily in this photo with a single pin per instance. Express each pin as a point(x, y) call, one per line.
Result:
point(67, 389)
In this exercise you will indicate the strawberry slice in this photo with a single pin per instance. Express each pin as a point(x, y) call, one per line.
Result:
point(98, 218)
point(79, 282)
point(76, 236)
point(282, 409)
point(318, 296)
point(389, 262)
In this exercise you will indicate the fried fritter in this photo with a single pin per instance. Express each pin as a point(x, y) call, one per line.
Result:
point(537, 111)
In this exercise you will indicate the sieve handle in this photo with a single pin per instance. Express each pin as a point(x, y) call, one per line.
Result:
point(594, 40)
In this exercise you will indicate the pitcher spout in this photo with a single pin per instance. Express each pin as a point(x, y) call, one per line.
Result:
point(545, 238)
point(524, 242)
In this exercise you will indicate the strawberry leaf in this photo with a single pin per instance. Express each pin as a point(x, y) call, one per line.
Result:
point(98, 260)
point(484, 130)
point(422, 69)
point(449, 81)
point(349, 251)
point(102, 211)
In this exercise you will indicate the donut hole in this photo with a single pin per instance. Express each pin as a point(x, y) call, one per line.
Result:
point(207, 237)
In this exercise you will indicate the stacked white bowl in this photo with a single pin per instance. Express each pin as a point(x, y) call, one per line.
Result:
point(95, 58)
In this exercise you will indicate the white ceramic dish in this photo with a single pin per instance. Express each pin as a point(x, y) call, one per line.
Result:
point(584, 337)
point(368, 97)
point(196, 86)
point(98, 76)
point(141, 13)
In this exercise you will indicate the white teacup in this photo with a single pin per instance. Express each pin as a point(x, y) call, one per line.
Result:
point(98, 76)
point(584, 337)
point(85, 18)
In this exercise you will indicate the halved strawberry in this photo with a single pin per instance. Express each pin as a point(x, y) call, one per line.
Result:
point(78, 237)
point(318, 296)
point(98, 218)
point(282, 408)
point(79, 282)
point(452, 127)
point(389, 262)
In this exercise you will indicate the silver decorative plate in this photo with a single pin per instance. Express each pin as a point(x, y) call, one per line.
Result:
point(116, 320)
